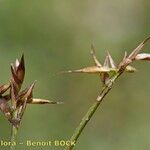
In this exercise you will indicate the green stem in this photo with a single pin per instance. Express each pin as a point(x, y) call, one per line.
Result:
point(14, 131)
point(92, 110)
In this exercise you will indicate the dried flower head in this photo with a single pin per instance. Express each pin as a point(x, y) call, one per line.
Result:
point(19, 99)
point(109, 67)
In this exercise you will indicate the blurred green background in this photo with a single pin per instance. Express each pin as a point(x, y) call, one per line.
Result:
point(56, 35)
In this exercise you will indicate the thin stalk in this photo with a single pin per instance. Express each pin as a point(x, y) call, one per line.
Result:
point(92, 110)
point(14, 130)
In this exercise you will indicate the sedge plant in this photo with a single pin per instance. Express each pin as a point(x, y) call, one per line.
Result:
point(108, 73)
point(13, 100)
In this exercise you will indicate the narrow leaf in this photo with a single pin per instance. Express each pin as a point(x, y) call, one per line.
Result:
point(92, 69)
point(43, 101)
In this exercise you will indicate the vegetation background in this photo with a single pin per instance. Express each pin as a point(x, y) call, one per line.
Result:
point(56, 35)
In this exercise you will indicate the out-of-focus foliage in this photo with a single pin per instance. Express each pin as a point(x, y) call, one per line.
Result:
point(55, 36)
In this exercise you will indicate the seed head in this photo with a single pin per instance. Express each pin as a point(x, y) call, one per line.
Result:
point(19, 98)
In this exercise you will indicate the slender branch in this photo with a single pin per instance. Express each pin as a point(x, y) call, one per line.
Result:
point(92, 110)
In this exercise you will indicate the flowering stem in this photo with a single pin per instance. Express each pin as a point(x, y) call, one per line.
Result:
point(92, 110)
point(107, 87)
point(14, 131)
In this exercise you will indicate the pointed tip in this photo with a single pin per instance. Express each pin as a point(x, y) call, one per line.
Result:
point(12, 67)
point(30, 88)
point(111, 61)
point(70, 71)
point(20, 69)
point(60, 103)
point(75, 71)
point(106, 61)
point(108, 53)
point(97, 63)
point(65, 72)
point(54, 102)
point(35, 81)
point(33, 84)
point(125, 55)
point(147, 39)
point(22, 57)
point(43, 101)
point(22, 62)
point(17, 63)
point(138, 49)
point(109, 56)
point(92, 46)
point(123, 60)
point(92, 49)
